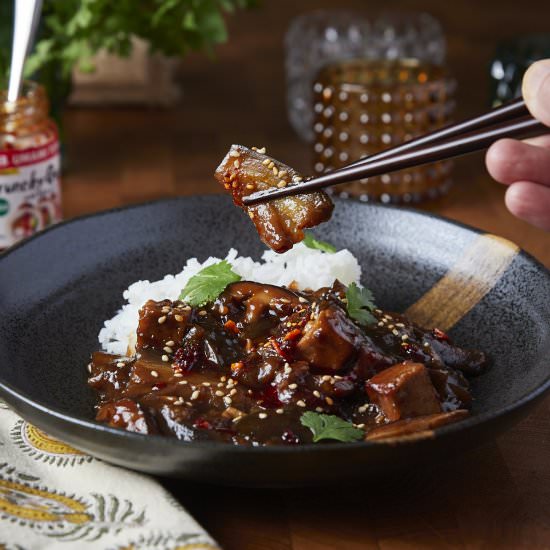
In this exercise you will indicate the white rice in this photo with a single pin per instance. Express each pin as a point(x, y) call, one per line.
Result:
point(309, 268)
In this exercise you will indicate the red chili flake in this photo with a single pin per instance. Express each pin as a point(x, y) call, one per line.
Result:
point(237, 366)
point(277, 347)
point(293, 334)
point(159, 386)
point(231, 326)
point(202, 424)
point(440, 335)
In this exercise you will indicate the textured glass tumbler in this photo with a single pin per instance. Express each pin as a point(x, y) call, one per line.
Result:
point(511, 60)
point(363, 106)
point(316, 39)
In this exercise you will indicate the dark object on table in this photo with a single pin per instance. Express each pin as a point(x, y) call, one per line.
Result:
point(49, 325)
point(511, 60)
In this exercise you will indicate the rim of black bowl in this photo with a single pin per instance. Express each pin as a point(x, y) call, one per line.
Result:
point(279, 449)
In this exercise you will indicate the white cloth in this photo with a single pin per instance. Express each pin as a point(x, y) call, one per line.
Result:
point(55, 497)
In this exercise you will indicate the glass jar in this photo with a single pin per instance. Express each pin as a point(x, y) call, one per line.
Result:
point(30, 192)
point(362, 106)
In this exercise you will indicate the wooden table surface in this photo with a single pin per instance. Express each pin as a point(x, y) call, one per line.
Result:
point(495, 497)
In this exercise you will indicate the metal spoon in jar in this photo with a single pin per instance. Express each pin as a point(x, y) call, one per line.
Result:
point(27, 15)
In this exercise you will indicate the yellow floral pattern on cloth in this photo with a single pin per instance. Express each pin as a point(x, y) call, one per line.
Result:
point(54, 496)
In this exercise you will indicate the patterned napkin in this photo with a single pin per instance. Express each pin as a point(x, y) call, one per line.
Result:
point(55, 497)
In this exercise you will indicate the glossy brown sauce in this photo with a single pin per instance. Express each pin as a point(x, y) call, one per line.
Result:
point(244, 368)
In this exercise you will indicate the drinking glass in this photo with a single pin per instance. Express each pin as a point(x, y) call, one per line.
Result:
point(362, 106)
point(319, 38)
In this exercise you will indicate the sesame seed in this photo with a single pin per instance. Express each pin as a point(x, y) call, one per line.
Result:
point(262, 415)
point(275, 171)
point(178, 374)
point(300, 403)
point(395, 332)
point(165, 358)
point(236, 164)
point(178, 401)
point(326, 378)
point(400, 325)
point(154, 374)
point(302, 300)
point(251, 215)
point(293, 386)
point(250, 186)
point(271, 164)
point(249, 392)
point(178, 318)
point(234, 153)
point(223, 379)
point(281, 184)
point(404, 337)
point(288, 370)
point(165, 309)
point(119, 364)
point(89, 367)
point(363, 408)
point(360, 426)
point(202, 312)
point(206, 384)
point(237, 418)
point(233, 391)
point(183, 382)
point(167, 349)
point(391, 327)
point(329, 401)
point(316, 393)
point(227, 400)
point(219, 393)
point(266, 162)
point(279, 411)
point(261, 150)
point(297, 178)
point(170, 343)
point(426, 344)
point(380, 324)
point(282, 173)
point(161, 320)
point(223, 309)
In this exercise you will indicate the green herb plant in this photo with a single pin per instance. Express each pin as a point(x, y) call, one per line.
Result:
point(72, 31)
point(208, 284)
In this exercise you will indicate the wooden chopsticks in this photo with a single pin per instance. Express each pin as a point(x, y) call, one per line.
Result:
point(510, 120)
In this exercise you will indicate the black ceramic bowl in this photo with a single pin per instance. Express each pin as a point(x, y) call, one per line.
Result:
point(57, 288)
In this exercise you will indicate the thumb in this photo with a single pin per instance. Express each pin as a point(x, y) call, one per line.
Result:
point(536, 90)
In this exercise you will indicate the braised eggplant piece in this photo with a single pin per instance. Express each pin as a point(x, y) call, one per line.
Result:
point(280, 223)
point(246, 367)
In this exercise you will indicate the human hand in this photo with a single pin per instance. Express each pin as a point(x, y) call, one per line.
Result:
point(525, 165)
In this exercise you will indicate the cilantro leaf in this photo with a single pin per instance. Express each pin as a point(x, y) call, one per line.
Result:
point(312, 242)
point(328, 426)
point(208, 283)
point(360, 304)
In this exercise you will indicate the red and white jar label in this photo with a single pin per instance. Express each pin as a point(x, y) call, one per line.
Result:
point(30, 191)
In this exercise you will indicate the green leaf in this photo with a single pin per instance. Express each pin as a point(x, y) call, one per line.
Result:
point(360, 304)
point(208, 283)
point(311, 242)
point(328, 426)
